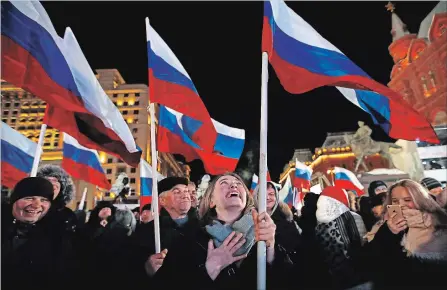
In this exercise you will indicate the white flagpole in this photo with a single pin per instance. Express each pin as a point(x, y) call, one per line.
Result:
point(154, 167)
point(39, 150)
point(84, 195)
point(262, 207)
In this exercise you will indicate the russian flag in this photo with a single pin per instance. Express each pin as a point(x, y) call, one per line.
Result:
point(83, 163)
point(171, 86)
point(17, 153)
point(347, 180)
point(174, 136)
point(286, 192)
point(303, 175)
point(146, 181)
point(36, 59)
point(303, 60)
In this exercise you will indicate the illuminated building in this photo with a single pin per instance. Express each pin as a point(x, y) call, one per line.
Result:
point(419, 73)
point(334, 152)
point(24, 113)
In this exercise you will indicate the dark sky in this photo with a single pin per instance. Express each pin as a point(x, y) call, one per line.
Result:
point(219, 44)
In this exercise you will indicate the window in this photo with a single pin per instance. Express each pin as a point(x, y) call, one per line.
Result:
point(7, 105)
point(110, 160)
point(115, 95)
point(134, 130)
point(55, 144)
point(133, 170)
point(135, 112)
point(126, 104)
point(109, 171)
point(4, 120)
point(126, 95)
point(124, 112)
point(57, 134)
point(137, 94)
point(121, 170)
point(137, 103)
point(14, 113)
point(132, 181)
point(6, 113)
point(46, 144)
point(13, 121)
point(16, 105)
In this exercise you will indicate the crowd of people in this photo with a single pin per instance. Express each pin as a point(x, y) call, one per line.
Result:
point(393, 237)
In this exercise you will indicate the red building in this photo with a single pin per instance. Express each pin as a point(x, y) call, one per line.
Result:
point(419, 73)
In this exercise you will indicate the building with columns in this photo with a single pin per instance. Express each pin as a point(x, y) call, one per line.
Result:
point(24, 112)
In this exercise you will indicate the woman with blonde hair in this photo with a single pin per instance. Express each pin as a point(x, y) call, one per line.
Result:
point(222, 255)
point(415, 242)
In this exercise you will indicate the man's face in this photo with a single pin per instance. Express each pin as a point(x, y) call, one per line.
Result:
point(31, 209)
point(380, 189)
point(104, 213)
point(193, 194)
point(177, 201)
point(56, 185)
point(146, 216)
point(436, 191)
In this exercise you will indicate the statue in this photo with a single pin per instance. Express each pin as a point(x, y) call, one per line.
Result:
point(203, 185)
point(121, 188)
point(363, 145)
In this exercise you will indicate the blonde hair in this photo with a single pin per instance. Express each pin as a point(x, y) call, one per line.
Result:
point(206, 212)
point(421, 199)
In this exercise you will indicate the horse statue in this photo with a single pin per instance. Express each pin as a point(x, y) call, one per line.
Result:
point(363, 145)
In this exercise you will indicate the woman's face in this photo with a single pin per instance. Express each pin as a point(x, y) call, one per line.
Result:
point(401, 196)
point(105, 213)
point(56, 186)
point(229, 193)
point(271, 197)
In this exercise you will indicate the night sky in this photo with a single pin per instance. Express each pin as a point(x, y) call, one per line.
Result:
point(219, 45)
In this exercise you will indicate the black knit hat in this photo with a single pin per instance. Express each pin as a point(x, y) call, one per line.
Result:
point(430, 183)
point(169, 182)
point(32, 186)
point(374, 185)
point(147, 206)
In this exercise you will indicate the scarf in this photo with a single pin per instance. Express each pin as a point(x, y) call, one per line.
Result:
point(245, 225)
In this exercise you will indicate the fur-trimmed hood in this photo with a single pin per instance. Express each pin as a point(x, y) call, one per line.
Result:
point(284, 210)
point(280, 207)
point(67, 192)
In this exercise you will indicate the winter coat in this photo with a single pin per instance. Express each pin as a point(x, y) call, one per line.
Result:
point(35, 254)
point(391, 268)
point(185, 262)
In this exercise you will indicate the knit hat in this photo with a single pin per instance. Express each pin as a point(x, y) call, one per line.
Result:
point(169, 182)
point(430, 183)
point(32, 186)
point(147, 206)
point(375, 185)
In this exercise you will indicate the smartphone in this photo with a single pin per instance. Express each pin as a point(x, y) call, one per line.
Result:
point(395, 209)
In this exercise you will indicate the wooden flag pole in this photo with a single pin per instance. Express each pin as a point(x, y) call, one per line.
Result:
point(154, 165)
point(262, 198)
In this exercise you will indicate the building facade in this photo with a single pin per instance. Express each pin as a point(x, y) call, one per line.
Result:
point(419, 73)
point(24, 113)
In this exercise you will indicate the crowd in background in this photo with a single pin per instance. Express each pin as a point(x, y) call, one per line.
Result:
point(335, 241)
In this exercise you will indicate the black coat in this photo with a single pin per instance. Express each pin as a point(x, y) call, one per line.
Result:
point(186, 262)
point(390, 267)
point(35, 254)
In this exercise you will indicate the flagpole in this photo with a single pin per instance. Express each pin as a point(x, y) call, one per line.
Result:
point(39, 150)
point(84, 195)
point(262, 207)
point(154, 165)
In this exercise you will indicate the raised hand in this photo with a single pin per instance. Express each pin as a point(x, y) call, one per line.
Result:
point(265, 228)
point(155, 262)
point(219, 258)
point(396, 226)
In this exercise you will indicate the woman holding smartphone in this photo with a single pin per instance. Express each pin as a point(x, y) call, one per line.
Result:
point(410, 247)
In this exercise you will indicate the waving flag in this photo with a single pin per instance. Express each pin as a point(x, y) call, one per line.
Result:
point(36, 59)
point(286, 192)
point(303, 176)
point(146, 180)
point(174, 136)
point(83, 163)
point(303, 60)
point(17, 154)
point(171, 86)
point(346, 179)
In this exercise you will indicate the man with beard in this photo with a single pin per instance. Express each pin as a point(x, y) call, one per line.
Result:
point(32, 252)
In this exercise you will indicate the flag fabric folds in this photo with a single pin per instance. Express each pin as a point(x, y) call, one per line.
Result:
point(83, 163)
point(347, 180)
point(146, 180)
point(17, 156)
point(174, 136)
point(303, 60)
point(171, 86)
point(36, 59)
point(303, 176)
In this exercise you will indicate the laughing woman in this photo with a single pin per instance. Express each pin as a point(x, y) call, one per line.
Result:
point(222, 254)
